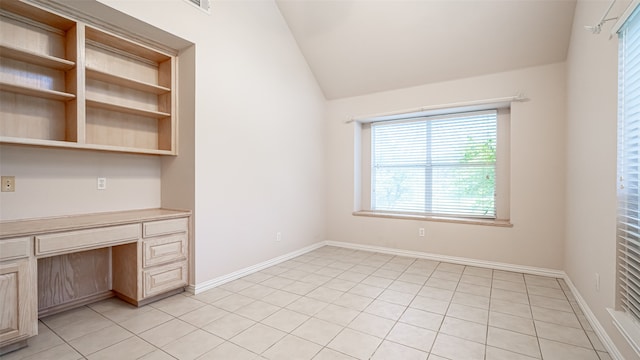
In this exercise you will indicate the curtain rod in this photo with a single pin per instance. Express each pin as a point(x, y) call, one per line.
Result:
point(595, 29)
point(445, 108)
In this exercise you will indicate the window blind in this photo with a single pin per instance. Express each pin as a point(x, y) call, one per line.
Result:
point(440, 165)
point(628, 245)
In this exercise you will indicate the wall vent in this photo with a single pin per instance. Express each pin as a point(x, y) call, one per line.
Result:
point(204, 5)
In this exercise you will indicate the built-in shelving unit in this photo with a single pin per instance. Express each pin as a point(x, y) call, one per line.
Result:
point(65, 83)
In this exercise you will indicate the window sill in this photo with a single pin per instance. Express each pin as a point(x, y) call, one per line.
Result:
point(629, 329)
point(456, 220)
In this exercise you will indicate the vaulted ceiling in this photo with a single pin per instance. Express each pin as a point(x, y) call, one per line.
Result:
point(356, 47)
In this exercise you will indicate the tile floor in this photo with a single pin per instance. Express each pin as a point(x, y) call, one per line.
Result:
point(336, 303)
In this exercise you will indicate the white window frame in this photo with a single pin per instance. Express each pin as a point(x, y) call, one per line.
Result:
point(362, 172)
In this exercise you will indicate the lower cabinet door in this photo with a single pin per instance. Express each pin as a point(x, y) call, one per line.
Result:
point(160, 279)
point(18, 314)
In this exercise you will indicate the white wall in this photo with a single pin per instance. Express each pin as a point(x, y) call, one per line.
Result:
point(54, 182)
point(537, 172)
point(591, 172)
point(259, 133)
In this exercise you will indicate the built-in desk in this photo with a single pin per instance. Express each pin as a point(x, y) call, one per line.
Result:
point(53, 264)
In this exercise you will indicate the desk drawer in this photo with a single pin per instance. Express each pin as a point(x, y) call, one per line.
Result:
point(72, 241)
point(162, 250)
point(164, 278)
point(11, 249)
point(165, 227)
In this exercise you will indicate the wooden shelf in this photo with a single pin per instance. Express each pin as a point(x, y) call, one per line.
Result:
point(33, 91)
point(75, 145)
point(126, 82)
point(35, 58)
point(126, 109)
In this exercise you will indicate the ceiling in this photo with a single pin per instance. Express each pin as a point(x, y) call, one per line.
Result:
point(357, 47)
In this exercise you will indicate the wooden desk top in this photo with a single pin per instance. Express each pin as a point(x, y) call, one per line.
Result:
point(27, 227)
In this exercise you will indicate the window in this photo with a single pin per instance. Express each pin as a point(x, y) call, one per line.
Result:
point(441, 165)
point(628, 238)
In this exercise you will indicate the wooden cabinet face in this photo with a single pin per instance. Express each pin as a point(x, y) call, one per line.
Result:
point(9, 298)
point(18, 319)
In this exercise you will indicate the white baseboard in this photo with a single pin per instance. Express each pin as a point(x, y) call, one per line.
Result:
point(204, 286)
point(593, 321)
point(452, 259)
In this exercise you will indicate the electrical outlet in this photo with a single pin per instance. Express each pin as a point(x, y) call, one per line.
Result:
point(278, 236)
point(8, 183)
point(102, 183)
point(421, 232)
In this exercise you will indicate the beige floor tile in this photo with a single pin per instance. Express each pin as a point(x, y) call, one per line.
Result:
point(316, 279)
point(550, 303)
point(508, 276)
point(430, 304)
point(413, 278)
point(328, 354)
point(545, 281)
point(556, 317)
point(307, 306)
point(285, 320)
point(98, 340)
point(353, 301)
point(257, 291)
point(454, 268)
point(476, 280)
point(468, 313)
point(277, 282)
point(510, 296)
point(435, 293)
point(177, 305)
point(340, 265)
point(511, 308)
point(292, 348)
point(412, 336)
point(441, 283)
point(157, 355)
point(478, 271)
point(233, 302)
point(366, 290)
point(464, 329)
point(257, 310)
point(511, 322)
point(228, 326)
point(474, 289)
point(340, 285)
point(552, 350)
point(77, 329)
point(46, 339)
point(319, 331)
point(236, 285)
point(546, 291)
point(299, 288)
point(257, 277)
point(364, 269)
point(372, 325)
point(436, 357)
point(337, 314)
point(396, 297)
point(355, 344)
point(325, 294)
point(563, 334)
point(471, 300)
point(327, 271)
point(213, 295)
point(295, 274)
point(352, 276)
point(78, 315)
point(145, 321)
point(423, 319)
point(258, 338)
point(509, 285)
point(230, 351)
point(58, 352)
point(281, 298)
point(132, 348)
point(454, 348)
point(385, 309)
point(494, 353)
point(192, 345)
point(203, 316)
point(512, 341)
point(391, 351)
point(163, 334)
point(377, 281)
